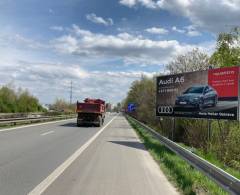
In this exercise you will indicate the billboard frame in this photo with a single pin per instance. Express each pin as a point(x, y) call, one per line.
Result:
point(200, 118)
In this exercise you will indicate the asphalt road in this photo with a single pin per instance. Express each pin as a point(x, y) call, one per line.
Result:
point(111, 161)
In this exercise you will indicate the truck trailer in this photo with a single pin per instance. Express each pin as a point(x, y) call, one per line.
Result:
point(91, 112)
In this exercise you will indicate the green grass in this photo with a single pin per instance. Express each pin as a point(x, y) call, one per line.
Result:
point(188, 180)
point(213, 159)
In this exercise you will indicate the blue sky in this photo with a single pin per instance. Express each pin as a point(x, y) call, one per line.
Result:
point(102, 46)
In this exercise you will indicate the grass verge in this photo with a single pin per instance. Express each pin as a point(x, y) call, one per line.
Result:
point(213, 159)
point(188, 180)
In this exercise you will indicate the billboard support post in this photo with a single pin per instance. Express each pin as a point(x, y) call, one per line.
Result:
point(173, 127)
point(209, 131)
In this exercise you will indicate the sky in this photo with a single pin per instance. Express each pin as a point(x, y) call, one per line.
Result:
point(102, 46)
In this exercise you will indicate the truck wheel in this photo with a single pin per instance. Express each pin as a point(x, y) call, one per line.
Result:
point(99, 121)
point(78, 124)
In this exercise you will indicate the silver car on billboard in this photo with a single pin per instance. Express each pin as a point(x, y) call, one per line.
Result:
point(199, 97)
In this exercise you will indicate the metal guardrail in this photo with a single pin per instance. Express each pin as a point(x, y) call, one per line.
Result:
point(224, 179)
point(23, 118)
point(14, 121)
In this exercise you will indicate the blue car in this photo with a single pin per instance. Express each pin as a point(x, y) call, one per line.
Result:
point(199, 96)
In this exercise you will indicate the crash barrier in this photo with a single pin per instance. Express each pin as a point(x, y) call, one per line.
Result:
point(224, 179)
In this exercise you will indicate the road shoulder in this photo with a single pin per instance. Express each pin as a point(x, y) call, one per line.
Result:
point(115, 163)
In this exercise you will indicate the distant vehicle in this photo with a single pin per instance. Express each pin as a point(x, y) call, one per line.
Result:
point(199, 96)
point(91, 112)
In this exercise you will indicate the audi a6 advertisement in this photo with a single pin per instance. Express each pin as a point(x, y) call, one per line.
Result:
point(211, 94)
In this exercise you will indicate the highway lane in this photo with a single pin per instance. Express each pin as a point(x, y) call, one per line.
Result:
point(115, 163)
point(30, 154)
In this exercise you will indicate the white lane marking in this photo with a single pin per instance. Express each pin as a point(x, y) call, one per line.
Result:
point(49, 132)
point(40, 188)
point(26, 126)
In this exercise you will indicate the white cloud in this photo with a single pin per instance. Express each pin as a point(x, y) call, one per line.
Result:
point(129, 3)
point(188, 30)
point(207, 47)
point(215, 16)
point(147, 3)
point(131, 48)
point(20, 41)
point(99, 20)
point(57, 28)
point(192, 32)
point(50, 80)
point(156, 30)
point(66, 44)
point(78, 31)
point(174, 28)
point(124, 74)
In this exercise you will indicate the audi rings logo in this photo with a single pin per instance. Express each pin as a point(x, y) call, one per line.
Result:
point(165, 109)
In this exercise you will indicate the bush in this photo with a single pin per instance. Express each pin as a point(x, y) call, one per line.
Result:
point(60, 105)
point(232, 153)
point(21, 101)
point(8, 100)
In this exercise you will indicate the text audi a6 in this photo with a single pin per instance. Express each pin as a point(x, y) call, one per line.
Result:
point(198, 97)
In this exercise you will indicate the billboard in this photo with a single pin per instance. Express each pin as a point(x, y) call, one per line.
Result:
point(211, 94)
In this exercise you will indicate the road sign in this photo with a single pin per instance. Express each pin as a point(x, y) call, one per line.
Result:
point(131, 107)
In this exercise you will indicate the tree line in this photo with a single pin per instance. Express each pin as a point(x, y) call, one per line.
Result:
point(225, 137)
point(13, 101)
point(61, 105)
point(21, 101)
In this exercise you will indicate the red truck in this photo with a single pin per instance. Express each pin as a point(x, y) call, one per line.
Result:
point(91, 112)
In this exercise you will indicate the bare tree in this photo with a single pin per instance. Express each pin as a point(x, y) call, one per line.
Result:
point(191, 61)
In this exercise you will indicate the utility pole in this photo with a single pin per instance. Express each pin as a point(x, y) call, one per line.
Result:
point(71, 94)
